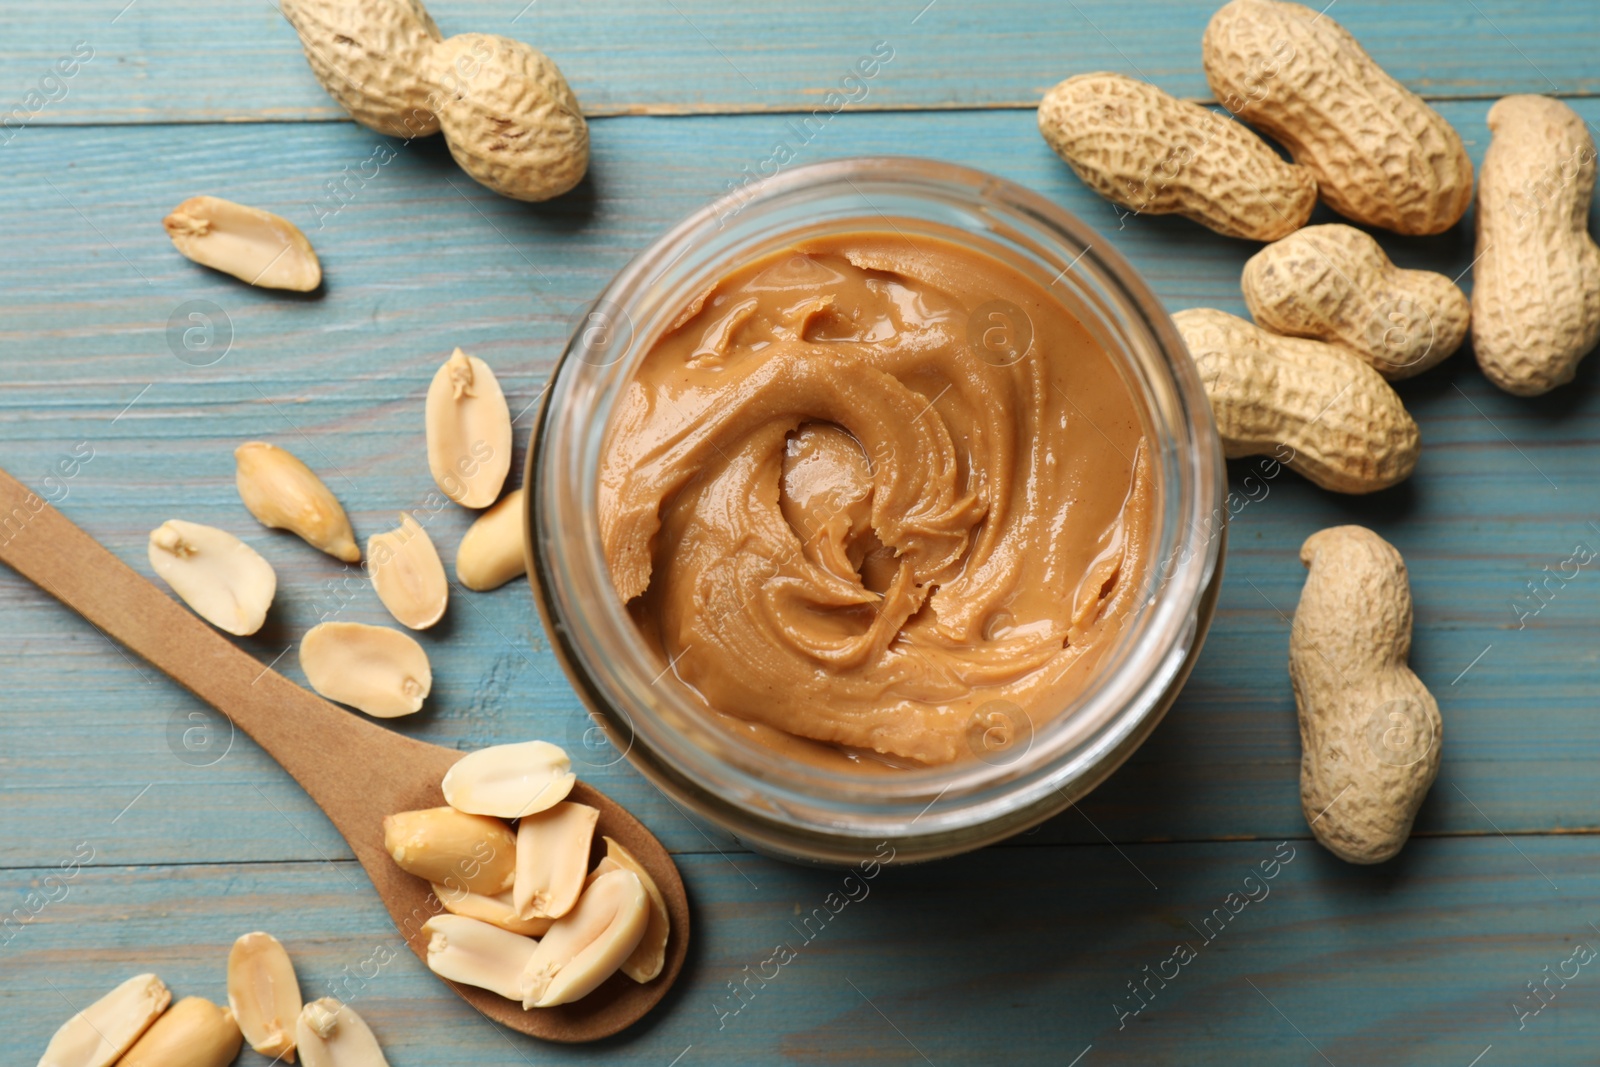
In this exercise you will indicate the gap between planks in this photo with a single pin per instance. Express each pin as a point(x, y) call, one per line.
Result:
point(670, 110)
point(744, 854)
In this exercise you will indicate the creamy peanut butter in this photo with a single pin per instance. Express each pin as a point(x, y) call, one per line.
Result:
point(882, 492)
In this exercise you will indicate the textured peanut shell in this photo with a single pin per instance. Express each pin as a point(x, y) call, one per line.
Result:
point(367, 55)
point(1333, 283)
point(509, 116)
point(1369, 729)
point(1157, 155)
point(1344, 426)
point(1536, 282)
point(1380, 155)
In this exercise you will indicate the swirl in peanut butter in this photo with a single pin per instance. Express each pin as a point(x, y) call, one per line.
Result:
point(869, 489)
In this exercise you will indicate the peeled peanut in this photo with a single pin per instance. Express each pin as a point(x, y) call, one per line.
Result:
point(466, 950)
point(508, 115)
point(1157, 155)
point(491, 551)
point(444, 845)
point(382, 672)
point(1536, 282)
point(102, 1032)
point(651, 954)
point(195, 1033)
point(1379, 154)
point(331, 1034)
point(588, 944)
point(552, 859)
point(407, 574)
point(469, 431)
point(509, 781)
point(224, 580)
point(497, 910)
point(284, 494)
point(264, 994)
point(252, 245)
point(1369, 729)
point(1343, 426)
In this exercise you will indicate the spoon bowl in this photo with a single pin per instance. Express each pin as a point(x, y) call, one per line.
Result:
point(356, 771)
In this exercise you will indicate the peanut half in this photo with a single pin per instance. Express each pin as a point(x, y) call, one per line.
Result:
point(284, 494)
point(552, 859)
point(466, 950)
point(497, 910)
point(491, 550)
point(264, 994)
point(331, 1034)
point(99, 1034)
point(509, 781)
point(470, 852)
point(382, 672)
point(648, 959)
point(1536, 282)
point(252, 245)
point(1369, 729)
point(1333, 283)
point(588, 944)
point(1157, 155)
point(1379, 154)
point(469, 431)
point(224, 580)
point(195, 1033)
point(1343, 426)
point(508, 116)
point(407, 574)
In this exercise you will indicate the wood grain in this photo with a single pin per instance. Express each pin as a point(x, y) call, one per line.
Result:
point(1014, 955)
point(1009, 956)
point(196, 61)
point(341, 379)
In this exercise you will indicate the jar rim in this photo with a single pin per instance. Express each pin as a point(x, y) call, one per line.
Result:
point(813, 812)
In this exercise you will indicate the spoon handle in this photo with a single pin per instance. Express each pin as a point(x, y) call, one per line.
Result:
point(313, 740)
point(357, 772)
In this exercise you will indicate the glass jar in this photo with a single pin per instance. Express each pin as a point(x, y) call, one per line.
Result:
point(784, 807)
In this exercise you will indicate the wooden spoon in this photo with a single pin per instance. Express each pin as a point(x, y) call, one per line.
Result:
point(356, 771)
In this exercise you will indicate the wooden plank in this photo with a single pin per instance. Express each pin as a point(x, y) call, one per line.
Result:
point(420, 260)
point(1020, 955)
point(197, 61)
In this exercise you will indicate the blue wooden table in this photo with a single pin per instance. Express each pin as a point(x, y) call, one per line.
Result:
point(122, 850)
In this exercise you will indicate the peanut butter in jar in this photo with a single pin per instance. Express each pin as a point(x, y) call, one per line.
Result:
point(878, 498)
